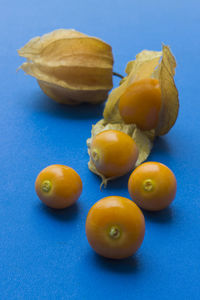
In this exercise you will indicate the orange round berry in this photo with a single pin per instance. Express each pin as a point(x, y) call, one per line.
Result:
point(140, 104)
point(152, 186)
point(114, 153)
point(58, 186)
point(115, 227)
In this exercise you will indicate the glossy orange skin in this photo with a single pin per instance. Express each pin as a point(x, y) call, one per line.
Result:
point(66, 186)
point(163, 186)
point(141, 103)
point(116, 153)
point(111, 211)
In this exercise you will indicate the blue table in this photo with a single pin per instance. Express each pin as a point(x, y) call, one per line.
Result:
point(44, 254)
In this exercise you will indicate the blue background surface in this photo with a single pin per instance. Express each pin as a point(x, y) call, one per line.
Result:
point(44, 254)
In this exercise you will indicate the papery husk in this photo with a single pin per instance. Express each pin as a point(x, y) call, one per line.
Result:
point(148, 64)
point(70, 66)
point(142, 141)
point(170, 100)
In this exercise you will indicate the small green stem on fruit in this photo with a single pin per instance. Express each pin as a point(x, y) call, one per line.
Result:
point(148, 185)
point(118, 75)
point(46, 186)
point(114, 232)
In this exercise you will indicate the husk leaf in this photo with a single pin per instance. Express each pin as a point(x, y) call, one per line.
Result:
point(170, 100)
point(70, 66)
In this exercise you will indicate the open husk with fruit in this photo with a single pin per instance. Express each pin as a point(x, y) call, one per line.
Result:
point(148, 64)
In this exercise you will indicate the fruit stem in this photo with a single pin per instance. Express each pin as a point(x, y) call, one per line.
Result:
point(114, 232)
point(46, 186)
point(148, 185)
point(95, 155)
point(118, 75)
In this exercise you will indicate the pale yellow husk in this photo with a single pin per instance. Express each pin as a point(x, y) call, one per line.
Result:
point(70, 66)
point(148, 64)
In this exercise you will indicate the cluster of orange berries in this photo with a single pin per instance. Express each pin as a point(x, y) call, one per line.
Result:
point(115, 226)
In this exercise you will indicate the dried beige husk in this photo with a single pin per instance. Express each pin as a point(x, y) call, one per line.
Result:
point(70, 66)
point(160, 65)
